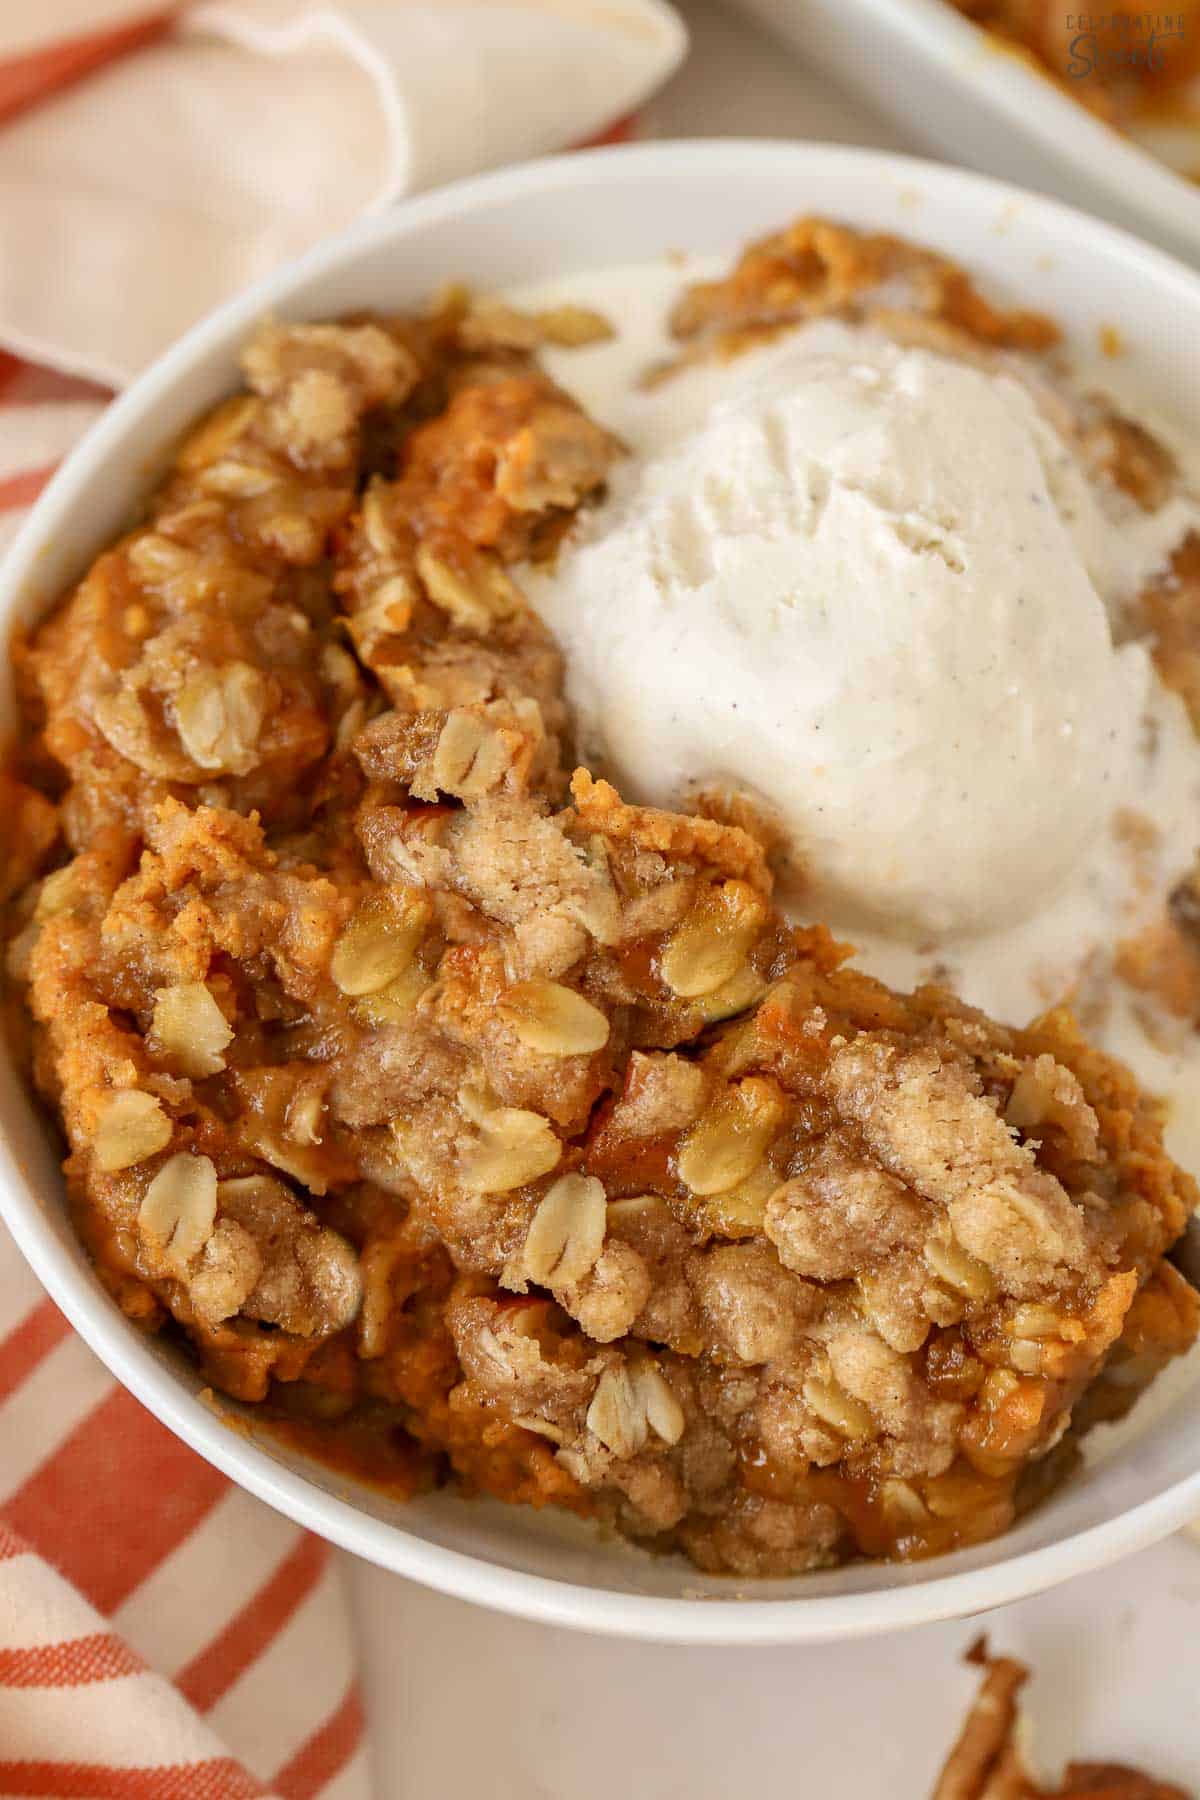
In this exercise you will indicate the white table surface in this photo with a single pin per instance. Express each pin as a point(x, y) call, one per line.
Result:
point(466, 1703)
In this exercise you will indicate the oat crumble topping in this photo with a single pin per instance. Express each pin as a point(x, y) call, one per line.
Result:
point(472, 1121)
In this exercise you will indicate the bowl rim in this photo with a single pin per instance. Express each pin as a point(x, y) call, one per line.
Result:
point(1029, 100)
point(604, 1610)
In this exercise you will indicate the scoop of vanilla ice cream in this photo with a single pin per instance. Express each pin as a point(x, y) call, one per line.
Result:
point(868, 589)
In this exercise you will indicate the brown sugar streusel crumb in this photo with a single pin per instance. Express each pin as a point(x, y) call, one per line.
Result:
point(987, 1763)
point(471, 1121)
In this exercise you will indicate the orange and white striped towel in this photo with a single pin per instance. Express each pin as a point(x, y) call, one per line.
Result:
point(233, 134)
point(163, 1636)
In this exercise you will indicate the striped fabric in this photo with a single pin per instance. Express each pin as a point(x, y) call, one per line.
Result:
point(161, 1633)
point(163, 1636)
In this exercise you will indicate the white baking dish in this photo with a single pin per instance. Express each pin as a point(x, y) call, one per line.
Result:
point(973, 101)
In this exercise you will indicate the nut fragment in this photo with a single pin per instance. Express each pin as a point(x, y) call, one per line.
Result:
point(616, 1415)
point(711, 945)
point(838, 1409)
point(554, 1019)
point(380, 942)
point(132, 1128)
point(178, 1212)
point(729, 1141)
point(959, 1269)
point(567, 1232)
point(513, 1147)
point(190, 1026)
point(219, 714)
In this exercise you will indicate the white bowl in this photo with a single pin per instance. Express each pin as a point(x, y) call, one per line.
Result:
point(967, 95)
point(549, 218)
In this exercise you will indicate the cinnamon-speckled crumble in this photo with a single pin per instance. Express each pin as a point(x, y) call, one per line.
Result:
point(473, 1121)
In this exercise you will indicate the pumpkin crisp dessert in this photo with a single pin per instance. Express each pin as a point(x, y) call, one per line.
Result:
point(472, 1122)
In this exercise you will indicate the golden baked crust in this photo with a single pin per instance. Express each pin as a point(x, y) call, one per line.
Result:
point(471, 1119)
point(815, 268)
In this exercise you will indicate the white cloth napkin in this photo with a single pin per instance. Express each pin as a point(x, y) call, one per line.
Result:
point(135, 200)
